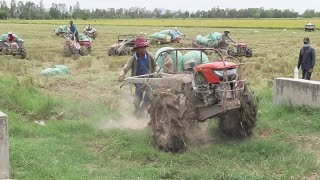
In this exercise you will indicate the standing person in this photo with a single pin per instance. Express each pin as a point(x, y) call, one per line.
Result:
point(307, 59)
point(74, 31)
point(141, 63)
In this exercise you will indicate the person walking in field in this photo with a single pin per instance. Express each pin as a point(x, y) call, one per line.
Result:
point(141, 63)
point(307, 59)
point(74, 32)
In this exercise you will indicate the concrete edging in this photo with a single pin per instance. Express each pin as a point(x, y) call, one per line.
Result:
point(297, 92)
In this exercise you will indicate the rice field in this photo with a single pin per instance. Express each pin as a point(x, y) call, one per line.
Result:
point(97, 138)
point(214, 23)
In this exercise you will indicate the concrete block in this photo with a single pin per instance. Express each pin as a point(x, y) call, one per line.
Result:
point(4, 147)
point(298, 92)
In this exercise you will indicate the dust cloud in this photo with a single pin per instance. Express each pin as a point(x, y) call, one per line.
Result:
point(127, 119)
point(125, 122)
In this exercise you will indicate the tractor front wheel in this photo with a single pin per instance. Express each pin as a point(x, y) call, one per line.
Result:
point(249, 53)
point(84, 51)
point(167, 122)
point(67, 51)
point(240, 122)
point(23, 53)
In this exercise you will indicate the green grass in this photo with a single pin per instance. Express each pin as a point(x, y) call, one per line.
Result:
point(73, 149)
point(284, 146)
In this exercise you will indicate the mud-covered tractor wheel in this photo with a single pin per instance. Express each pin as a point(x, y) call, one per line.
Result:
point(240, 122)
point(94, 35)
point(84, 51)
point(67, 51)
point(23, 52)
point(167, 122)
point(249, 53)
point(231, 52)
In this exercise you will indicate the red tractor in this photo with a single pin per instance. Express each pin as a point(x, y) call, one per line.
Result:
point(204, 91)
point(242, 49)
point(83, 47)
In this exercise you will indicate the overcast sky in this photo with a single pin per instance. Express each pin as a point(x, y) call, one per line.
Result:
point(193, 5)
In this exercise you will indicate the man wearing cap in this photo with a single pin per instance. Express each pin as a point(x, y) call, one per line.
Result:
point(141, 63)
point(307, 59)
point(74, 31)
point(11, 42)
point(226, 38)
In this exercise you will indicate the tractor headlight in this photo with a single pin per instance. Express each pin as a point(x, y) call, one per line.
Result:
point(231, 73)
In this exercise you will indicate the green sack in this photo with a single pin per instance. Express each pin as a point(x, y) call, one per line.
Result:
point(56, 70)
point(4, 37)
point(63, 28)
point(161, 58)
point(205, 41)
point(51, 72)
point(83, 37)
point(195, 55)
point(160, 36)
point(65, 69)
point(166, 32)
point(215, 36)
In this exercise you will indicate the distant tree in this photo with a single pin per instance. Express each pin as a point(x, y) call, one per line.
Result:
point(3, 14)
point(308, 13)
point(30, 10)
point(54, 11)
point(5, 11)
point(13, 9)
point(156, 13)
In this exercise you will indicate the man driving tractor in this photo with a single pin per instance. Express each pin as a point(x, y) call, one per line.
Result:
point(88, 28)
point(11, 42)
point(226, 38)
point(141, 63)
point(74, 32)
point(175, 34)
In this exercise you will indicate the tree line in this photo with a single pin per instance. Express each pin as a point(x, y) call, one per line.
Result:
point(32, 11)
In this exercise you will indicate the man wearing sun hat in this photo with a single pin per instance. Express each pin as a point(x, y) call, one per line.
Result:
point(226, 38)
point(141, 63)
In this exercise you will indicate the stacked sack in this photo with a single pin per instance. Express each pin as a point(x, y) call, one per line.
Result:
point(211, 40)
point(164, 35)
point(166, 58)
point(4, 38)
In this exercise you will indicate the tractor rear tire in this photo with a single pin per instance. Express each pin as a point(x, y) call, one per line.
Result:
point(67, 51)
point(249, 53)
point(84, 51)
point(23, 53)
point(167, 122)
point(109, 52)
point(231, 52)
point(240, 122)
